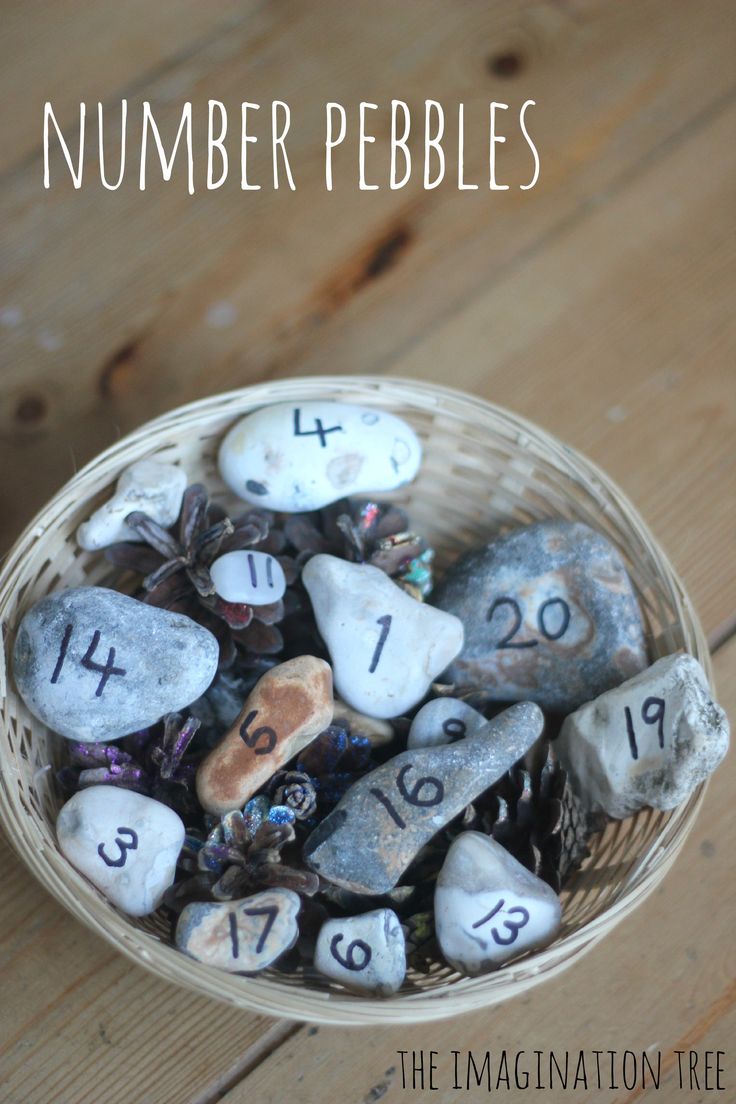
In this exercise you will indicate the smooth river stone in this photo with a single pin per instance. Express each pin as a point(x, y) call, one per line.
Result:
point(387, 816)
point(489, 908)
point(240, 936)
point(285, 710)
point(442, 721)
point(365, 953)
point(378, 732)
point(94, 664)
point(125, 843)
point(254, 578)
point(303, 456)
point(151, 486)
point(386, 647)
point(550, 616)
point(649, 742)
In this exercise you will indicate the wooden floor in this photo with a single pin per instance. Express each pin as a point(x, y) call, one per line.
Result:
point(599, 304)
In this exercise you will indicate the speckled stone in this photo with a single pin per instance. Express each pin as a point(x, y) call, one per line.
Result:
point(151, 486)
point(442, 721)
point(94, 664)
point(383, 820)
point(488, 908)
point(125, 843)
point(386, 647)
point(365, 953)
point(649, 742)
point(287, 708)
point(303, 456)
point(550, 615)
point(240, 936)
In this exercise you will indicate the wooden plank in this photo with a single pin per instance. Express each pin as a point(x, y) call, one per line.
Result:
point(149, 300)
point(662, 980)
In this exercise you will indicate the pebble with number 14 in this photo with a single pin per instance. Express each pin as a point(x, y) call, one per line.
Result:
point(386, 647)
point(302, 456)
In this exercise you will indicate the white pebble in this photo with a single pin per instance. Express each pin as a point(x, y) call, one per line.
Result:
point(442, 721)
point(254, 578)
point(365, 953)
point(150, 486)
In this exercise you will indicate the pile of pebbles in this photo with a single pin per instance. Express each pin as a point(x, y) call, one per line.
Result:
point(306, 752)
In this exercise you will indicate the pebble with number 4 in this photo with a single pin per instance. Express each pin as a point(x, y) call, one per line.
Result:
point(240, 936)
point(365, 953)
point(386, 647)
point(94, 664)
point(287, 708)
point(650, 741)
point(298, 457)
point(489, 908)
point(550, 615)
point(377, 828)
point(125, 843)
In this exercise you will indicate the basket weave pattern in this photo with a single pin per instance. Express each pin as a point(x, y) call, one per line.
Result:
point(484, 471)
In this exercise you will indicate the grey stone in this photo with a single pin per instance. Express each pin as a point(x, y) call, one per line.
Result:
point(364, 953)
point(442, 721)
point(387, 816)
point(488, 908)
point(240, 936)
point(385, 647)
point(649, 742)
point(550, 616)
point(125, 843)
point(94, 664)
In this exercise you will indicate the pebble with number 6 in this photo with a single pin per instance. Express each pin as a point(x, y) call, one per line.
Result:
point(365, 953)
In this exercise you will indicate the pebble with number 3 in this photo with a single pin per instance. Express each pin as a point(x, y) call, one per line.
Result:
point(125, 843)
point(386, 647)
point(297, 457)
point(365, 953)
point(489, 908)
point(650, 741)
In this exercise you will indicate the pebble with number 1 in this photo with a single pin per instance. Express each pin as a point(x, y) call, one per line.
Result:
point(377, 828)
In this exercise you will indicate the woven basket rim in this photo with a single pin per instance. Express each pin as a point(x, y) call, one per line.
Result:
point(269, 995)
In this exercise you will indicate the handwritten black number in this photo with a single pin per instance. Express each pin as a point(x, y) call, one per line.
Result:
point(413, 798)
point(124, 847)
point(513, 926)
point(349, 961)
point(388, 805)
point(508, 640)
point(234, 934)
point(250, 739)
point(270, 912)
point(649, 717)
point(454, 728)
point(565, 621)
point(320, 431)
point(385, 623)
point(105, 669)
point(62, 652)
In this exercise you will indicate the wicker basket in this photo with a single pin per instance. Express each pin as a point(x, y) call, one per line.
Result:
point(484, 470)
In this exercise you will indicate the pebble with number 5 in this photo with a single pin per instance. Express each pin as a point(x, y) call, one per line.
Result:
point(488, 908)
point(377, 828)
point(385, 646)
point(287, 708)
point(650, 741)
point(302, 457)
point(365, 953)
point(125, 843)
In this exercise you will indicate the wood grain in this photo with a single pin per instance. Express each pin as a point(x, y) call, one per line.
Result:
point(598, 304)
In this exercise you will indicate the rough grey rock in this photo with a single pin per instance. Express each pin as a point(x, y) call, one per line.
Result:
point(125, 843)
point(442, 721)
point(386, 647)
point(489, 908)
point(240, 936)
point(302, 456)
point(650, 741)
point(550, 616)
point(94, 664)
point(365, 953)
point(387, 816)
